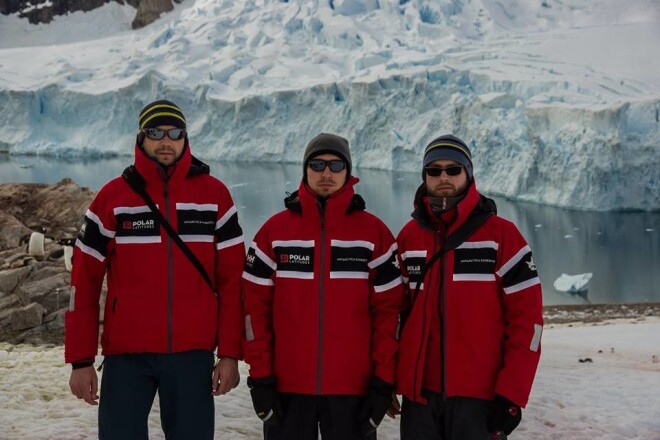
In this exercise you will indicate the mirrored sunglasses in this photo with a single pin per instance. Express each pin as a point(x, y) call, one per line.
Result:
point(451, 171)
point(157, 134)
point(335, 165)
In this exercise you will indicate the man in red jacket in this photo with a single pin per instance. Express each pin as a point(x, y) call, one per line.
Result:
point(164, 315)
point(323, 293)
point(471, 342)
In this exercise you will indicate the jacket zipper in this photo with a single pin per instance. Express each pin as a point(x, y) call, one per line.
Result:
point(170, 267)
point(442, 302)
point(421, 344)
point(319, 359)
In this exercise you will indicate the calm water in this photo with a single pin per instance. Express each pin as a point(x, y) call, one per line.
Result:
point(622, 250)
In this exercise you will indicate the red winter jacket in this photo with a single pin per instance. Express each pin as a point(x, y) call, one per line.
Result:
point(474, 328)
point(323, 295)
point(157, 300)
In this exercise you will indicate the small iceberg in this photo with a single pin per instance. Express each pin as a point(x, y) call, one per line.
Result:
point(572, 283)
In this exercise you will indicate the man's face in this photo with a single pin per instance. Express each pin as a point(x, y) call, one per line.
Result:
point(445, 185)
point(326, 182)
point(166, 151)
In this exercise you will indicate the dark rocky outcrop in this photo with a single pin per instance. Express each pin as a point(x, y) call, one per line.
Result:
point(34, 286)
point(149, 11)
point(43, 11)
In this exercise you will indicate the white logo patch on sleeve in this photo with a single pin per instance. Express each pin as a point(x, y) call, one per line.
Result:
point(536, 339)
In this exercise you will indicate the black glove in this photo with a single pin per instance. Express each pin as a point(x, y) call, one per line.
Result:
point(504, 415)
point(375, 405)
point(266, 400)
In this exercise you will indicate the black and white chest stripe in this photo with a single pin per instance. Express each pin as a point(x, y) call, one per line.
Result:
point(294, 258)
point(414, 261)
point(196, 222)
point(136, 224)
point(475, 261)
point(350, 258)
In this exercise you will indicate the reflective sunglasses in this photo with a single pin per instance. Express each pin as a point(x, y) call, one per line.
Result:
point(451, 171)
point(335, 165)
point(157, 134)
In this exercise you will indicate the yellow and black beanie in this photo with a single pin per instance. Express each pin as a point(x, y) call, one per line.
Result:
point(161, 112)
point(448, 147)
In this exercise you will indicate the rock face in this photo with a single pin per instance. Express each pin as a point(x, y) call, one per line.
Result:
point(149, 11)
point(43, 11)
point(34, 288)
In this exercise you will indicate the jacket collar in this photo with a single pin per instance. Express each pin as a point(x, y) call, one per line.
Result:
point(153, 172)
point(463, 208)
point(344, 201)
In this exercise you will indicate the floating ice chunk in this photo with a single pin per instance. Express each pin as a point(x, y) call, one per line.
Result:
point(572, 283)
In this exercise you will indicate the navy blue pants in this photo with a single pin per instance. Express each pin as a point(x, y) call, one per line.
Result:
point(304, 415)
point(184, 385)
point(453, 418)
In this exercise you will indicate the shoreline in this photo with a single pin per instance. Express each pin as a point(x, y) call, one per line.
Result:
point(556, 315)
point(596, 313)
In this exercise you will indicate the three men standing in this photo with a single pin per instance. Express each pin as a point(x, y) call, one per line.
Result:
point(323, 294)
point(323, 300)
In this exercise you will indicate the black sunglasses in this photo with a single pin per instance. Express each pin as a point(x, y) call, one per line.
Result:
point(157, 134)
point(335, 165)
point(451, 171)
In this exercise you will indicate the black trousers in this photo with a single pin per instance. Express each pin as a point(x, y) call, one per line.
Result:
point(453, 418)
point(183, 382)
point(304, 415)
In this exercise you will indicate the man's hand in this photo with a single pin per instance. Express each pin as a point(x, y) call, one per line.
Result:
point(375, 406)
point(84, 384)
point(395, 407)
point(504, 416)
point(225, 376)
point(266, 400)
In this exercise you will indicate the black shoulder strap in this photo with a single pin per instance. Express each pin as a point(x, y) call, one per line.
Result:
point(136, 182)
point(453, 241)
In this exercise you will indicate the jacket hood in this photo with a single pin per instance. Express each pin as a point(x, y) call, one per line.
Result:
point(472, 199)
point(304, 198)
point(186, 166)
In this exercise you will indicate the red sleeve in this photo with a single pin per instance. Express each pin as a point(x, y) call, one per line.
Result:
point(258, 287)
point(230, 255)
point(523, 312)
point(94, 245)
point(387, 303)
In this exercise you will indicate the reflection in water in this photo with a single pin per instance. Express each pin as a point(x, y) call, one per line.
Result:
point(622, 250)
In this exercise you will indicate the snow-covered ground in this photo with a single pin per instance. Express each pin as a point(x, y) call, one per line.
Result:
point(612, 397)
point(558, 100)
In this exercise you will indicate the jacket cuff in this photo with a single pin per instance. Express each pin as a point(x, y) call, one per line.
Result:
point(81, 364)
point(227, 350)
point(385, 372)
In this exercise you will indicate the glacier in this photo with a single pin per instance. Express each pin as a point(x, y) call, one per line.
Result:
point(559, 103)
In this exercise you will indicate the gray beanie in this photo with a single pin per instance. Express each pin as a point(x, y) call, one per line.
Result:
point(448, 147)
point(326, 143)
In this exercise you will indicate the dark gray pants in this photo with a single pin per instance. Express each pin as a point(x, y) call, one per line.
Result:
point(183, 383)
point(453, 418)
point(304, 415)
